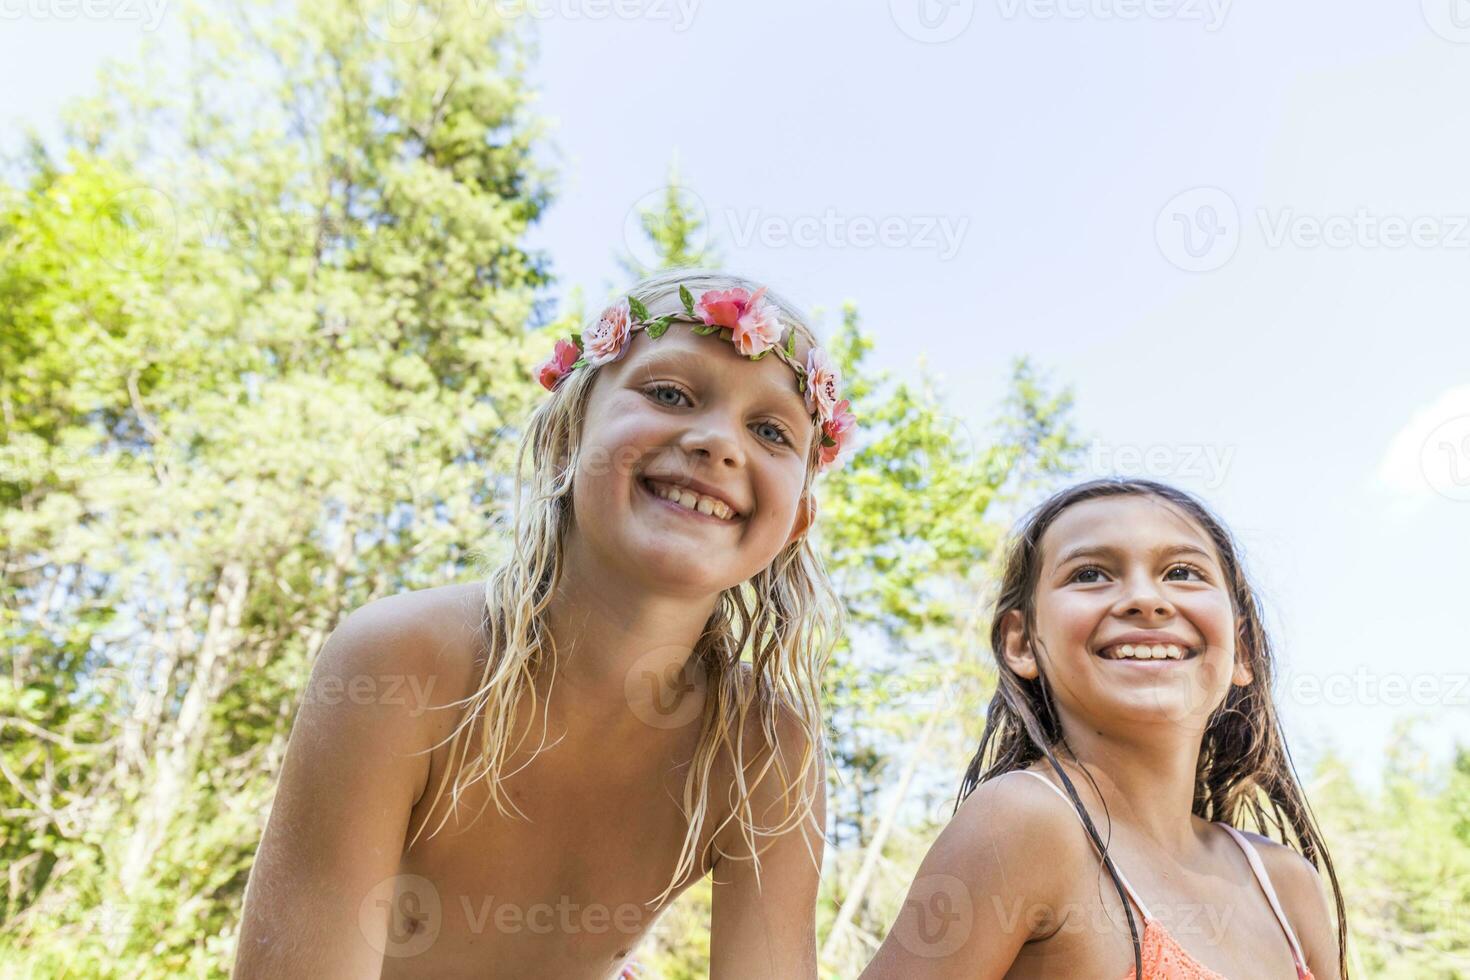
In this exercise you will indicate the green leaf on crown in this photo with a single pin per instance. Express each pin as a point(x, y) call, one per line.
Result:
point(705, 331)
point(656, 328)
point(636, 307)
point(686, 299)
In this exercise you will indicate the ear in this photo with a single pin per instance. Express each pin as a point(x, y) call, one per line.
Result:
point(1241, 674)
point(1016, 647)
point(806, 515)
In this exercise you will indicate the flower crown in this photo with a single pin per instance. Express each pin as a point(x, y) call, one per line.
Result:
point(749, 321)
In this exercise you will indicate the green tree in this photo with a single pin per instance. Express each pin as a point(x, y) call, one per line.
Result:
point(1402, 852)
point(676, 231)
point(264, 349)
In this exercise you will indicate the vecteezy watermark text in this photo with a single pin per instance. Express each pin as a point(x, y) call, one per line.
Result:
point(1210, 13)
point(149, 12)
point(941, 234)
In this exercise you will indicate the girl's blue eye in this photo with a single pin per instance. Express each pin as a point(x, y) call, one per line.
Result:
point(1084, 569)
point(1188, 568)
point(780, 433)
point(658, 391)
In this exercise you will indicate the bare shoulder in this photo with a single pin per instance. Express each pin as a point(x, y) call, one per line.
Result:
point(1014, 815)
point(435, 622)
point(1291, 874)
point(411, 653)
point(425, 633)
point(1303, 894)
point(1011, 845)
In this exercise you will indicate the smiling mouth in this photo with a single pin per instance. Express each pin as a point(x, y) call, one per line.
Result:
point(695, 504)
point(1148, 652)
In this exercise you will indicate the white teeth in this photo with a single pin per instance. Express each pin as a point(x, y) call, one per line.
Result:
point(1143, 651)
point(693, 501)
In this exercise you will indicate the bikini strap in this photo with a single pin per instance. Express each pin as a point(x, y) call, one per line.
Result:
point(1264, 880)
point(1073, 807)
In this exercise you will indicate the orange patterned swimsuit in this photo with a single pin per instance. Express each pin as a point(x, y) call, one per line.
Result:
point(1163, 957)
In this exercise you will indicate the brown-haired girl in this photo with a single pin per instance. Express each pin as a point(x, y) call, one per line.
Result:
point(1099, 830)
point(635, 690)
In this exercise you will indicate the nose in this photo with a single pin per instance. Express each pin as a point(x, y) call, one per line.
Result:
point(1143, 599)
point(715, 437)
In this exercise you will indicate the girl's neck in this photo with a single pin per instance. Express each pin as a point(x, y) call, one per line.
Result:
point(609, 626)
point(1147, 782)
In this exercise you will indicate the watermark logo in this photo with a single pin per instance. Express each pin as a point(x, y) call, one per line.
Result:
point(647, 222)
point(937, 916)
point(399, 21)
point(1199, 229)
point(665, 688)
point(932, 21)
point(400, 458)
point(414, 914)
point(1450, 19)
point(1444, 459)
point(139, 231)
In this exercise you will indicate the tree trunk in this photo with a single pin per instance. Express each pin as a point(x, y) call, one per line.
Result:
point(858, 890)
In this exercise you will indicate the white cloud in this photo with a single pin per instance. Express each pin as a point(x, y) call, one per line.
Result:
point(1429, 457)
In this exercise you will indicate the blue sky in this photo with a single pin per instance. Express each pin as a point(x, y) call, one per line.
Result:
point(1241, 233)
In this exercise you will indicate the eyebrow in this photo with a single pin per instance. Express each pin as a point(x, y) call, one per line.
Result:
point(1106, 551)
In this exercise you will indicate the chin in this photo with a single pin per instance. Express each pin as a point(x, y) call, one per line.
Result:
point(676, 570)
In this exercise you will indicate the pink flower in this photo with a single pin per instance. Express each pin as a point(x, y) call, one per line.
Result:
point(752, 321)
point(840, 430)
point(722, 309)
point(823, 381)
point(607, 341)
point(558, 365)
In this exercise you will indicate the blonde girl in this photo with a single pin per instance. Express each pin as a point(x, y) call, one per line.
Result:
point(634, 693)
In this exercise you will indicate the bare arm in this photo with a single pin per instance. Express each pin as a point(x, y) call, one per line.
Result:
point(974, 900)
point(768, 929)
point(318, 897)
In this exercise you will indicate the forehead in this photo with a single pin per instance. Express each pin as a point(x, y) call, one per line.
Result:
point(1126, 523)
point(681, 346)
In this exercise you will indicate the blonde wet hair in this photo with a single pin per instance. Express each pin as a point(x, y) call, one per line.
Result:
point(762, 650)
